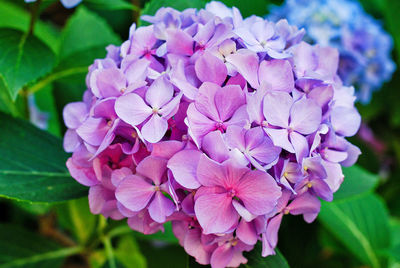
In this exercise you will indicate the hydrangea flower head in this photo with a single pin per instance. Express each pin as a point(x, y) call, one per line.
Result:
point(218, 124)
point(364, 46)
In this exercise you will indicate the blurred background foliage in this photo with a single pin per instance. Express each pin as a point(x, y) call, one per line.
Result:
point(361, 228)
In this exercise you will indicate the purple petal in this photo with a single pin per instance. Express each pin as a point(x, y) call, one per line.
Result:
point(154, 129)
point(246, 63)
point(276, 108)
point(134, 192)
point(132, 109)
point(305, 203)
point(153, 168)
point(209, 68)
point(280, 138)
point(258, 191)
point(159, 93)
point(71, 141)
point(222, 256)
point(246, 232)
point(273, 229)
point(276, 75)
point(179, 42)
point(227, 100)
point(108, 83)
point(199, 125)
point(184, 167)
point(194, 246)
point(160, 207)
point(210, 173)
point(215, 213)
point(300, 145)
point(214, 146)
point(205, 100)
point(305, 116)
point(345, 120)
point(74, 114)
point(93, 130)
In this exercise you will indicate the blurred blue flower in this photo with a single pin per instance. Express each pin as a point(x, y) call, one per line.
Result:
point(66, 3)
point(364, 46)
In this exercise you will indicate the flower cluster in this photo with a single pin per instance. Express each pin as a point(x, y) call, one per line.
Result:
point(216, 123)
point(364, 46)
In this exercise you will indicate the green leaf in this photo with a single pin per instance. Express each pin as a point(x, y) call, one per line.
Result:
point(85, 30)
point(23, 59)
point(255, 260)
point(393, 22)
point(109, 5)
point(20, 248)
point(361, 224)
point(76, 217)
point(152, 6)
point(13, 16)
point(128, 253)
point(356, 181)
point(248, 8)
point(32, 164)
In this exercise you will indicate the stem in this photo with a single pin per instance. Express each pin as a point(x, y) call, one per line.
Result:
point(55, 76)
point(65, 252)
point(34, 15)
point(109, 251)
point(120, 230)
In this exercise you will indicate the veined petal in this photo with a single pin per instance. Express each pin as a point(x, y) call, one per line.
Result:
point(132, 109)
point(134, 192)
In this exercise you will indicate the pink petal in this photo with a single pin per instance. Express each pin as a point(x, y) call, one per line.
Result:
point(276, 108)
point(246, 232)
point(305, 116)
point(136, 71)
point(227, 100)
point(153, 168)
point(222, 256)
point(243, 212)
point(210, 69)
point(93, 130)
point(205, 100)
point(259, 192)
point(179, 42)
point(305, 203)
point(210, 173)
point(215, 213)
point(134, 192)
point(119, 174)
point(273, 228)
point(159, 93)
point(154, 129)
point(199, 125)
point(71, 141)
point(132, 109)
point(276, 75)
point(184, 166)
point(214, 146)
point(194, 247)
point(160, 207)
point(246, 63)
point(74, 114)
point(166, 149)
point(107, 83)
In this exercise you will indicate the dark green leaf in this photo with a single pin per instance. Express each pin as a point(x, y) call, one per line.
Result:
point(85, 30)
point(356, 181)
point(361, 224)
point(23, 59)
point(109, 5)
point(248, 8)
point(393, 22)
point(255, 260)
point(13, 16)
point(20, 248)
point(32, 164)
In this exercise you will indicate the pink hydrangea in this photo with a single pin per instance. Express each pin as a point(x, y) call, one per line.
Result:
point(219, 124)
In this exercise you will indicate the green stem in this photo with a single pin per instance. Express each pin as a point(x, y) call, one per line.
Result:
point(109, 251)
point(55, 76)
point(34, 16)
point(65, 252)
point(120, 230)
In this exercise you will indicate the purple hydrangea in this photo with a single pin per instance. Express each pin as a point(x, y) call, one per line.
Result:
point(364, 46)
point(218, 124)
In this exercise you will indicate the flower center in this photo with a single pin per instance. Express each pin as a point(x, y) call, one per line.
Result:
point(231, 192)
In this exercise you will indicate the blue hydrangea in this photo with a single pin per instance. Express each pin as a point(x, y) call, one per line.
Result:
point(364, 46)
